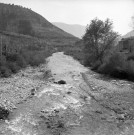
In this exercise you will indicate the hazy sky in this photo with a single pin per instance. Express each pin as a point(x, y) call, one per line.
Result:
point(82, 11)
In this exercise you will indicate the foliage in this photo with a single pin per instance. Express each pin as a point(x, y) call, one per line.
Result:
point(129, 69)
point(119, 66)
point(4, 113)
point(25, 27)
point(13, 67)
point(5, 71)
point(12, 63)
point(98, 40)
point(114, 64)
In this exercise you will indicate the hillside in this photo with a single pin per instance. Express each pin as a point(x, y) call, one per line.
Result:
point(27, 38)
point(129, 34)
point(25, 21)
point(74, 29)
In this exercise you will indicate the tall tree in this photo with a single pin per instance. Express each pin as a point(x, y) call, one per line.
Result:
point(98, 39)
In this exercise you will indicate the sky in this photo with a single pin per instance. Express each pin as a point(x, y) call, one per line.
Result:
point(83, 11)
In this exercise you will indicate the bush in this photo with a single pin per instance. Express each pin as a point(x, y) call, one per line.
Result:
point(5, 72)
point(3, 61)
point(36, 60)
point(4, 113)
point(16, 58)
point(33, 58)
point(115, 66)
point(12, 57)
point(21, 62)
point(12, 63)
point(129, 69)
point(13, 67)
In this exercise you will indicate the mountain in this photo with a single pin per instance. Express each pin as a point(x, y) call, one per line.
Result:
point(129, 34)
point(22, 20)
point(74, 29)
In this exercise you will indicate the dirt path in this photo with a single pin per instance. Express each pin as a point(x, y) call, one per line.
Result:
point(72, 101)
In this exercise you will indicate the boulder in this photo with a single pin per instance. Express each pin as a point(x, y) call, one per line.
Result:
point(4, 113)
point(61, 82)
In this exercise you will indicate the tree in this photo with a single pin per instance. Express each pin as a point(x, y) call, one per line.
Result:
point(98, 39)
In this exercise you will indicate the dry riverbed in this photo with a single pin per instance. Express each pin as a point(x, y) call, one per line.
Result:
point(17, 88)
point(65, 98)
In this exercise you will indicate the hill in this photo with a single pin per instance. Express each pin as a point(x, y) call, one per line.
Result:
point(129, 34)
point(27, 38)
point(74, 29)
point(25, 21)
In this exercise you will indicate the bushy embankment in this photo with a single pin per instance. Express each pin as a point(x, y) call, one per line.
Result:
point(12, 63)
point(117, 64)
point(104, 53)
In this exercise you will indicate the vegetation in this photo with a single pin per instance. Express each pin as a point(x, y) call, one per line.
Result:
point(101, 53)
point(25, 27)
point(4, 113)
point(26, 38)
point(98, 40)
point(12, 63)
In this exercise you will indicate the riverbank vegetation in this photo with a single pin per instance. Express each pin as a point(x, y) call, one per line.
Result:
point(13, 62)
point(101, 53)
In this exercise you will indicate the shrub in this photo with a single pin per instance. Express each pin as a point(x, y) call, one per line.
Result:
point(12, 57)
point(129, 69)
point(115, 66)
point(26, 55)
point(13, 67)
point(5, 72)
point(17, 58)
point(36, 59)
point(11, 63)
point(4, 113)
point(3, 61)
point(20, 60)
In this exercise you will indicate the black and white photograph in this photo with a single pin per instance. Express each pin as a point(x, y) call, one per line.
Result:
point(66, 67)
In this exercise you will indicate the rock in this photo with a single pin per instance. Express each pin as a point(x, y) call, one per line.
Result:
point(69, 92)
point(61, 82)
point(3, 113)
point(56, 111)
point(33, 91)
point(55, 82)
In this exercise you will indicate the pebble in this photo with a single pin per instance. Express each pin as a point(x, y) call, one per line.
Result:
point(17, 88)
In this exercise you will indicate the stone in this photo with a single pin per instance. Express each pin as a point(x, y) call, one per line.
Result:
point(4, 113)
point(61, 82)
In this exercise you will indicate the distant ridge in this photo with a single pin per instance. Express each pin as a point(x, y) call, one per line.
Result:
point(74, 29)
point(129, 34)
